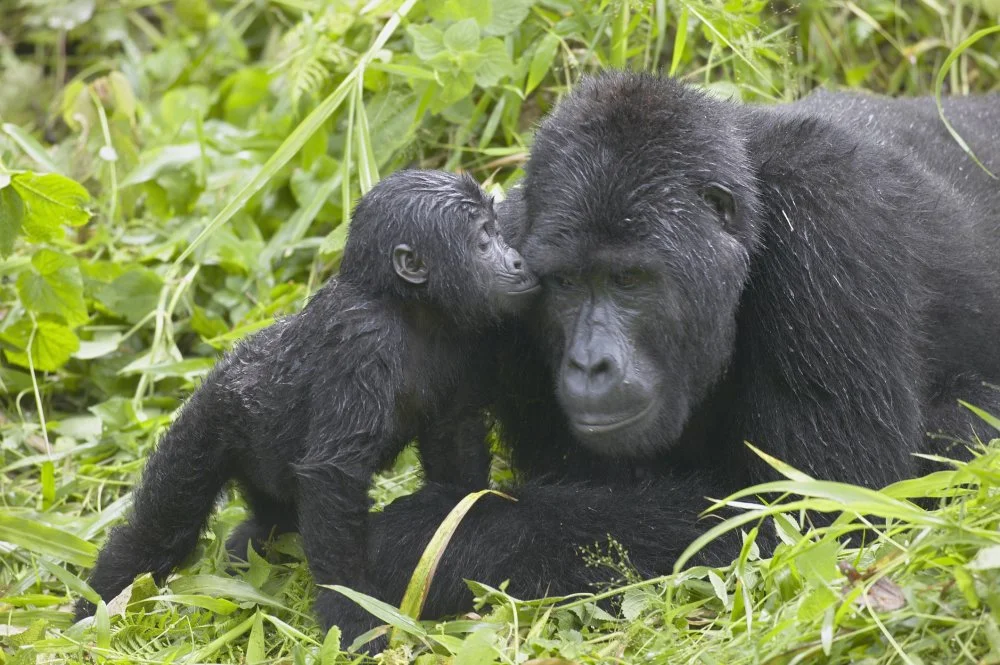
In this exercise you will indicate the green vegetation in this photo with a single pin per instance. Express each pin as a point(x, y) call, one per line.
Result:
point(175, 175)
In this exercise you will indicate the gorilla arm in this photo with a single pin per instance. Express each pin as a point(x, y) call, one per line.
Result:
point(535, 541)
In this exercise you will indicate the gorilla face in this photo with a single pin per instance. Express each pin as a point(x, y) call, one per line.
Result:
point(639, 225)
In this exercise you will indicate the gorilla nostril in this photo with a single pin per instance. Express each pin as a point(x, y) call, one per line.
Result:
point(601, 368)
point(517, 264)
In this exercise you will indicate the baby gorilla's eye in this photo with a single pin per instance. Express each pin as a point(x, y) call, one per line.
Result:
point(484, 238)
point(562, 280)
point(627, 279)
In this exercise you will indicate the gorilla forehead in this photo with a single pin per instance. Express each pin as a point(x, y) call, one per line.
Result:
point(624, 156)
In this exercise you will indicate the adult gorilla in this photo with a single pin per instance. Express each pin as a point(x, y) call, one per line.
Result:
point(820, 278)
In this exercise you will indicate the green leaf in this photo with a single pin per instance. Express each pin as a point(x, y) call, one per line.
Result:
point(331, 647)
point(50, 201)
point(427, 40)
point(133, 294)
point(462, 36)
point(507, 16)
point(496, 63)
point(939, 84)
point(216, 605)
point(381, 610)
point(541, 61)
point(55, 286)
point(40, 538)
point(11, 219)
point(51, 347)
point(31, 147)
point(478, 649)
point(212, 585)
point(818, 563)
point(990, 419)
point(256, 653)
point(423, 574)
point(156, 161)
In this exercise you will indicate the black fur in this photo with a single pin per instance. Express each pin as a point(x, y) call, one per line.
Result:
point(304, 412)
point(820, 278)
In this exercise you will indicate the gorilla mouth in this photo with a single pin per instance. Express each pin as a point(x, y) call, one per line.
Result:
point(525, 287)
point(596, 425)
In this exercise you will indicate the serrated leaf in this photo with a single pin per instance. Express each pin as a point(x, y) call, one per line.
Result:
point(462, 36)
point(52, 346)
point(496, 63)
point(55, 286)
point(50, 201)
point(427, 40)
point(331, 647)
point(507, 15)
point(11, 219)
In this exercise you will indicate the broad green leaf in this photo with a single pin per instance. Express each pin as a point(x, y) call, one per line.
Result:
point(104, 343)
point(479, 648)
point(11, 218)
point(496, 63)
point(51, 347)
point(818, 563)
point(133, 294)
point(55, 286)
point(507, 15)
point(462, 36)
point(50, 201)
point(541, 61)
point(427, 40)
point(40, 538)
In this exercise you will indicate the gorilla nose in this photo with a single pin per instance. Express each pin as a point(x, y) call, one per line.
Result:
point(515, 264)
point(590, 374)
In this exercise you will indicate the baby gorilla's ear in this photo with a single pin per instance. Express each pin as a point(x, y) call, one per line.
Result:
point(408, 265)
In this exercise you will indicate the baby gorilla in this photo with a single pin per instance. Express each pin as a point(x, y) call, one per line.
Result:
point(400, 345)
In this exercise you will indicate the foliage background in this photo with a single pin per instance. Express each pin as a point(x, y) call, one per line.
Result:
point(175, 175)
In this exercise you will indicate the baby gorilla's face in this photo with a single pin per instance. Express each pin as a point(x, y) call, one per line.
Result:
point(511, 284)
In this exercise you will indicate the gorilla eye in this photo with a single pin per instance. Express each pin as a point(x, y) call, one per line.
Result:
point(721, 201)
point(484, 238)
point(627, 279)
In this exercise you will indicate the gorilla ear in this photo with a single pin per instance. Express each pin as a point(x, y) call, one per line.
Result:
point(722, 202)
point(408, 265)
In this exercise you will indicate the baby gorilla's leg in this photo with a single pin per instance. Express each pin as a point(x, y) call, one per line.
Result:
point(171, 505)
point(269, 519)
